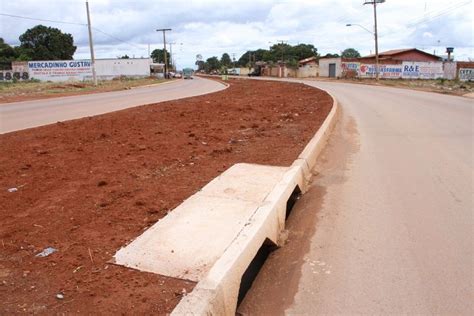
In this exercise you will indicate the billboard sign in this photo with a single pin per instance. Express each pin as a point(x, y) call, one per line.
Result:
point(385, 71)
point(348, 67)
point(422, 70)
point(60, 70)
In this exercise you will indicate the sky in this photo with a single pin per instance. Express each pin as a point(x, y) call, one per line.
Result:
point(213, 27)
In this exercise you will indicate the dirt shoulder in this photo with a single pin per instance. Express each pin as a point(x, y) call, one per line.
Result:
point(89, 186)
point(30, 90)
point(451, 87)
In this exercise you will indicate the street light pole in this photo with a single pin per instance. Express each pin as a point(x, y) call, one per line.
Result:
point(374, 3)
point(164, 51)
point(171, 55)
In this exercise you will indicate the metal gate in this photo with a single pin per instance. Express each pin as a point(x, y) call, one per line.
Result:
point(332, 70)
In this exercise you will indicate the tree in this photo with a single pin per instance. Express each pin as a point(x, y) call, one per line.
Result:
point(329, 55)
point(212, 63)
point(6, 51)
point(7, 54)
point(350, 53)
point(277, 52)
point(225, 60)
point(47, 43)
point(280, 52)
point(200, 64)
point(125, 57)
point(159, 57)
point(302, 51)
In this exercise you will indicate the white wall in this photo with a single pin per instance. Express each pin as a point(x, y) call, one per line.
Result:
point(112, 68)
point(80, 70)
point(308, 71)
point(324, 66)
point(449, 69)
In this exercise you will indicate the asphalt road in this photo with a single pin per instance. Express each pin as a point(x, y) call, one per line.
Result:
point(21, 115)
point(387, 226)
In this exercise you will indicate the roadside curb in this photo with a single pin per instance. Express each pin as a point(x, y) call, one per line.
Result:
point(217, 293)
point(154, 84)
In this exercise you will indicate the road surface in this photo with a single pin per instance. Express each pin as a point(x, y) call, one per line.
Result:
point(387, 225)
point(20, 115)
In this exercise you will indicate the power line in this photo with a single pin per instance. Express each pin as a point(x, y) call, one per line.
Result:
point(44, 20)
point(72, 23)
point(116, 38)
point(445, 11)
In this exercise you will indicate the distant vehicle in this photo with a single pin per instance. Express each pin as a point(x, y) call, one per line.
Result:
point(177, 75)
point(256, 72)
point(188, 73)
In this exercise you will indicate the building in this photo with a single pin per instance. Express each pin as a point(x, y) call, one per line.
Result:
point(330, 67)
point(409, 63)
point(308, 61)
point(308, 67)
point(397, 56)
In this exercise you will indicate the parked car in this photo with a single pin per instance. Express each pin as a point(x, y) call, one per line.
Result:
point(254, 74)
point(177, 75)
point(257, 72)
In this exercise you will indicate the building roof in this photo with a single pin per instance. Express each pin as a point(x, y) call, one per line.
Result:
point(307, 60)
point(393, 52)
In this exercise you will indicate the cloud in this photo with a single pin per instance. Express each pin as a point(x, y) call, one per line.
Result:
point(212, 27)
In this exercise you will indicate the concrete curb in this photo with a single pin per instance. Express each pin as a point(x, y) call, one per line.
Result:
point(217, 293)
point(154, 84)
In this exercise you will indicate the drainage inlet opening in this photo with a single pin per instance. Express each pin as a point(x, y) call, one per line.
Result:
point(252, 270)
point(292, 200)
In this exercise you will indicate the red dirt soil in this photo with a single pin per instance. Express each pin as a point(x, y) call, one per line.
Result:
point(87, 187)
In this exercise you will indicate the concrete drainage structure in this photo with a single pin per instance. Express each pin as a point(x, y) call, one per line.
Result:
point(214, 235)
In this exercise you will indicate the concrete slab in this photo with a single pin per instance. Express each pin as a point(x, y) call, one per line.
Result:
point(184, 243)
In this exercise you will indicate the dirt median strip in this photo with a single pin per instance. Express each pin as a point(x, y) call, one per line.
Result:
point(87, 187)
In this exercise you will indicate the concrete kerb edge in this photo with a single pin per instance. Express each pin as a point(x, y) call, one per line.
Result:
point(168, 82)
point(310, 153)
point(217, 293)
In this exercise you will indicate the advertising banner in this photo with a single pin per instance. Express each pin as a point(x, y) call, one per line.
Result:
point(60, 70)
point(9, 75)
point(422, 70)
point(350, 67)
point(385, 71)
point(466, 74)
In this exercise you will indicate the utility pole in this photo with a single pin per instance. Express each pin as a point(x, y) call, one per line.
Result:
point(91, 45)
point(282, 50)
point(374, 3)
point(164, 50)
